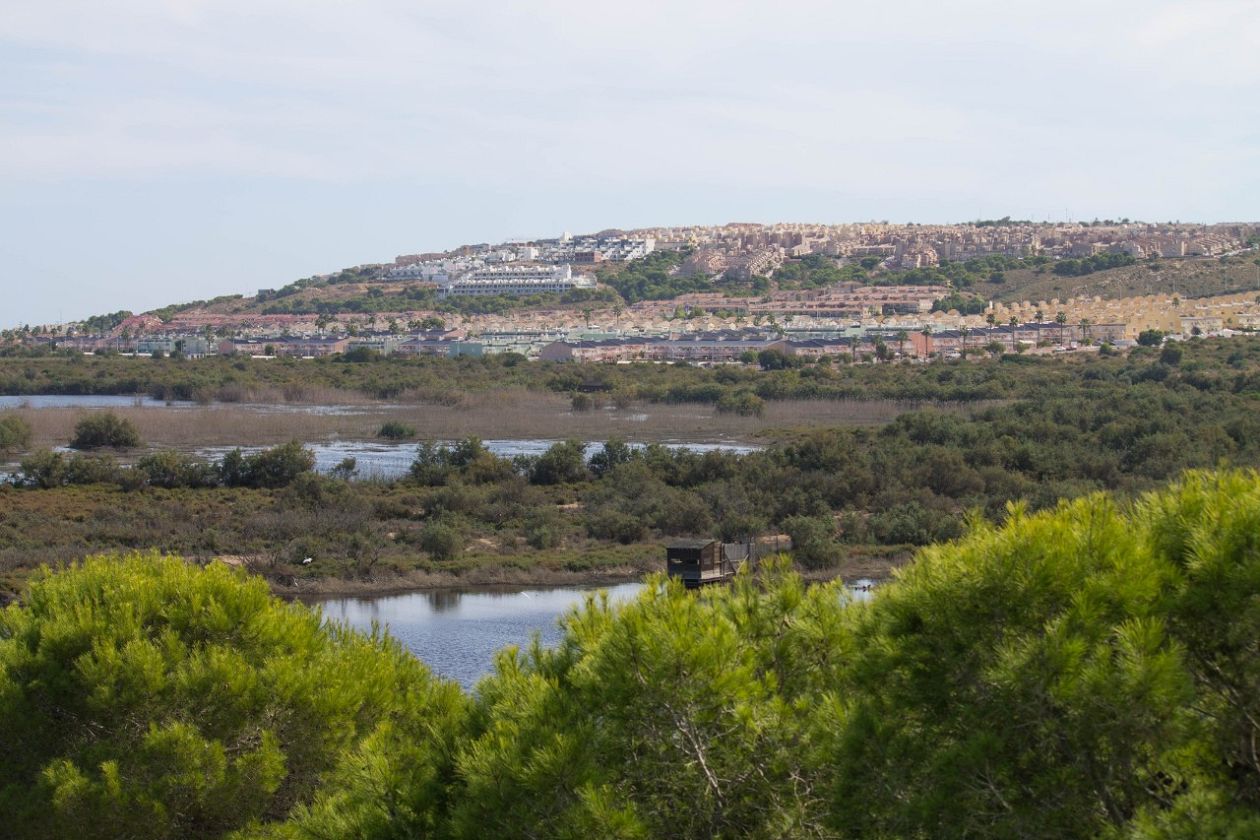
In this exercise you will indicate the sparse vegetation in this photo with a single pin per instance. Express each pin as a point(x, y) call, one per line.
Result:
point(1123, 423)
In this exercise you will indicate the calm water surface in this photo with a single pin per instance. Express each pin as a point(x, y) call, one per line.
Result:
point(393, 460)
point(85, 401)
point(457, 632)
point(103, 401)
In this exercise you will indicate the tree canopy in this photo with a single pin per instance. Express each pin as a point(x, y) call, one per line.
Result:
point(1085, 671)
point(143, 697)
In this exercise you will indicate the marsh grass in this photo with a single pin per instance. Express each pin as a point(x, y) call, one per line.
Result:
point(506, 414)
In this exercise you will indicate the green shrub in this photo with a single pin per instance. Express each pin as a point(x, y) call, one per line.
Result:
point(393, 430)
point(42, 469)
point(345, 470)
point(743, 403)
point(106, 429)
point(814, 543)
point(173, 469)
point(1171, 355)
point(442, 540)
point(611, 455)
point(15, 433)
point(562, 463)
point(275, 467)
point(912, 524)
point(46, 469)
point(91, 469)
point(543, 529)
point(608, 523)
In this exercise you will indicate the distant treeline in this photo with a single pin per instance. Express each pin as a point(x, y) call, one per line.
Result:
point(1089, 671)
point(228, 379)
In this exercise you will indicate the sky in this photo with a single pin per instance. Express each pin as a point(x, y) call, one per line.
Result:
point(159, 152)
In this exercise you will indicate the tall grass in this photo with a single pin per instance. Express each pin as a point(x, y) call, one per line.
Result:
point(506, 414)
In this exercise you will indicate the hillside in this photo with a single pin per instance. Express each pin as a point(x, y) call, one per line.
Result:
point(363, 292)
point(1190, 278)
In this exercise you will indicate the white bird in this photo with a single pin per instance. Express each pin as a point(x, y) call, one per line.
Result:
point(308, 561)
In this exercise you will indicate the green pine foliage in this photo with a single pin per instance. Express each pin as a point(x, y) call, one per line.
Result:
point(144, 697)
point(1090, 670)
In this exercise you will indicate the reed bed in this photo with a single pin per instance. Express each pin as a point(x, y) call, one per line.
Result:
point(506, 414)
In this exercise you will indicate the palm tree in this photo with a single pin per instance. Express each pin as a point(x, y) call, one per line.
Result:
point(927, 336)
point(1013, 322)
point(1084, 330)
point(902, 335)
point(1061, 320)
point(1039, 317)
point(965, 331)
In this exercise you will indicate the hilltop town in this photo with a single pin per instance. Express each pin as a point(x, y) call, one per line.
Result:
point(709, 294)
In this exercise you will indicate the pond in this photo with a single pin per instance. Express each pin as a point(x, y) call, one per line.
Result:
point(100, 401)
point(109, 401)
point(387, 461)
point(457, 632)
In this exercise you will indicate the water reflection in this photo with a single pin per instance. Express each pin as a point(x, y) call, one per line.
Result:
point(387, 461)
point(457, 632)
point(444, 600)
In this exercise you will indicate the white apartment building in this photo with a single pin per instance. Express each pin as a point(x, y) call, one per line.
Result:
point(520, 280)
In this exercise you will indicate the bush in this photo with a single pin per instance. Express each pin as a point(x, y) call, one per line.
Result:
point(203, 706)
point(611, 524)
point(361, 355)
point(562, 463)
point(275, 467)
point(436, 465)
point(106, 429)
point(912, 524)
point(611, 455)
point(15, 433)
point(743, 403)
point(47, 469)
point(432, 465)
point(346, 469)
point(442, 540)
point(173, 469)
point(814, 543)
point(543, 529)
point(393, 430)
point(92, 469)
point(42, 469)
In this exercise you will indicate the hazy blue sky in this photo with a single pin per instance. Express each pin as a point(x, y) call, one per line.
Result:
point(154, 152)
